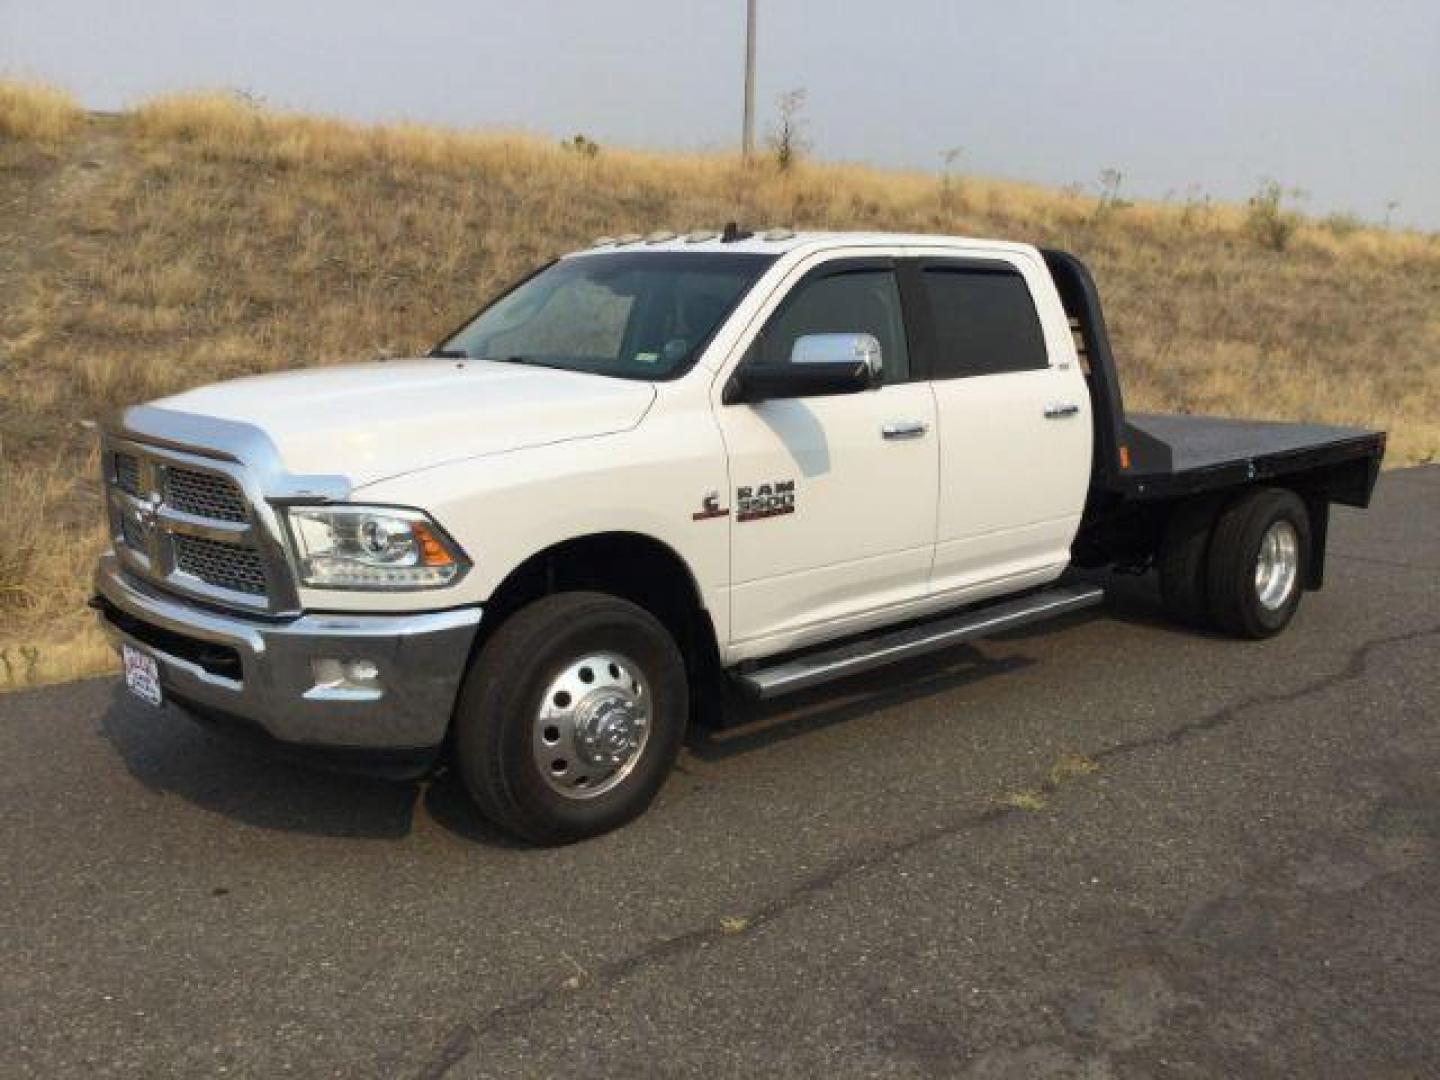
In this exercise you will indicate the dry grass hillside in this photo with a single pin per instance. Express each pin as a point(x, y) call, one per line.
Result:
point(199, 238)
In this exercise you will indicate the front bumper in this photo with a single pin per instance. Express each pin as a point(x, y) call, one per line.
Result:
point(261, 671)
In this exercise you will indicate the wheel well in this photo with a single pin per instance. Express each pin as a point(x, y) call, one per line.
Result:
point(1317, 509)
point(632, 566)
point(1119, 533)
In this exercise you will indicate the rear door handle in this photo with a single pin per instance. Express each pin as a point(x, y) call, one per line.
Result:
point(1058, 410)
point(904, 429)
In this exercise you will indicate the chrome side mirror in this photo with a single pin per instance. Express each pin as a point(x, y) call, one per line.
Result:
point(840, 349)
point(820, 365)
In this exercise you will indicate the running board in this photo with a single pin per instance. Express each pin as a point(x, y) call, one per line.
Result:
point(887, 647)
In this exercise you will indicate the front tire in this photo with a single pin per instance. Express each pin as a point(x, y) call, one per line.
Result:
point(571, 717)
point(1258, 561)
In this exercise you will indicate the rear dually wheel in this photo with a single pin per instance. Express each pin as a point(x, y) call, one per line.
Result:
point(1183, 561)
point(1257, 564)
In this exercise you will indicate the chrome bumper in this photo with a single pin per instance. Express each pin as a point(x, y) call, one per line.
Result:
point(421, 659)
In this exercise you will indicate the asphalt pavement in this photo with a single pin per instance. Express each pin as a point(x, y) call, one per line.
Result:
point(1102, 847)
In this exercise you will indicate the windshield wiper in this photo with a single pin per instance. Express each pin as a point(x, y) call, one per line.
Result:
point(528, 361)
point(461, 354)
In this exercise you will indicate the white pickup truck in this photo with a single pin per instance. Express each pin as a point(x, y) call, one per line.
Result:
point(667, 462)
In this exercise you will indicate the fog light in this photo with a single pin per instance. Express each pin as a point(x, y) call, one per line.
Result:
point(333, 674)
point(362, 671)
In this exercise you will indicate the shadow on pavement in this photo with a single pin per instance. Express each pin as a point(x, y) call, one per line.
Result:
point(757, 724)
point(449, 806)
point(1129, 598)
point(168, 752)
point(258, 785)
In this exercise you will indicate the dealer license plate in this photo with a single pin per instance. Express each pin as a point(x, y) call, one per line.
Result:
point(142, 675)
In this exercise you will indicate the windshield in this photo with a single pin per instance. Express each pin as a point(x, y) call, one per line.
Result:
point(632, 314)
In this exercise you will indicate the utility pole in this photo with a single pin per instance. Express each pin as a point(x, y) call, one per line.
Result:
point(747, 137)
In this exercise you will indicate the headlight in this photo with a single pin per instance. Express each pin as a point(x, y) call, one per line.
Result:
point(372, 547)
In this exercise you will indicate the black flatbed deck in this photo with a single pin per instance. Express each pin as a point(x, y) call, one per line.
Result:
point(1185, 453)
point(1210, 442)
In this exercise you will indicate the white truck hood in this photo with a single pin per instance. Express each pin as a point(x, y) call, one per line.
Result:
point(377, 420)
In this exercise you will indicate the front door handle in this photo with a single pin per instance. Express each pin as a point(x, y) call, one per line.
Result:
point(904, 429)
point(1057, 410)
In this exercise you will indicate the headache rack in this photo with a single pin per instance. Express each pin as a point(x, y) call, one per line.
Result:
point(1140, 457)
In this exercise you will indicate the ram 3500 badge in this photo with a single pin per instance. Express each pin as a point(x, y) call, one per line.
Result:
point(767, 500)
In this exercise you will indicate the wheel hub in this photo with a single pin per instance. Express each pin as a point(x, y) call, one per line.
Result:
point(1277, 565)
point(592, 725)
point(608, 728)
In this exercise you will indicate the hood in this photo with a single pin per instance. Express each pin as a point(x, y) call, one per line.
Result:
point(376, 420)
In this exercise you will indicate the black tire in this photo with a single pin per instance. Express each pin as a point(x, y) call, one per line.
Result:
point(499, 703)
point(1235, 603)
point(1183, 561)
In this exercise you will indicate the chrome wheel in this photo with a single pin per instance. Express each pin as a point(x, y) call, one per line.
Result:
point(592, 725)
point(1277, 565)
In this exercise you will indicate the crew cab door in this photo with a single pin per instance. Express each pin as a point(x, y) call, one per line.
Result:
point(1014, 419)
point(833, 497)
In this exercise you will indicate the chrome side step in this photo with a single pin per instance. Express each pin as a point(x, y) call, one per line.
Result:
point(886, 647)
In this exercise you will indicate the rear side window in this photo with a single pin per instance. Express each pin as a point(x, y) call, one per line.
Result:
point(985, 321)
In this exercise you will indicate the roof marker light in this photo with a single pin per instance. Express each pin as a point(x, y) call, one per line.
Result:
point(778, 234)
point(699, 236)
point(659, 236)
point(628, 238)
point(601, 241)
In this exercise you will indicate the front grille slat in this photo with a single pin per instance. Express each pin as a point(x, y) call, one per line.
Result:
point(136, 535)
point(226, 566)
point(127, 474)
point(204, 495)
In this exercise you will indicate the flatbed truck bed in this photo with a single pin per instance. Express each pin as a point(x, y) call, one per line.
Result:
point(1200, 453)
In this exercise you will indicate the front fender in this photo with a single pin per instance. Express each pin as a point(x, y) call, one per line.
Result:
point(502, 510)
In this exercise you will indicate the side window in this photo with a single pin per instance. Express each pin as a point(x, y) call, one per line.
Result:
point(852, 302)
point(985, 322)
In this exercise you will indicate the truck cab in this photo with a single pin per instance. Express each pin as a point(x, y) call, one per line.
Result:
point(659, 465)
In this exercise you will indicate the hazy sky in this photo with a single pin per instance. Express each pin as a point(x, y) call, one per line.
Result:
point(1340, 97)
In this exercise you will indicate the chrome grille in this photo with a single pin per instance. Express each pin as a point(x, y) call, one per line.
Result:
point(187, 523)
point(204, 495)
point(127, 474)
point(226, 566)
